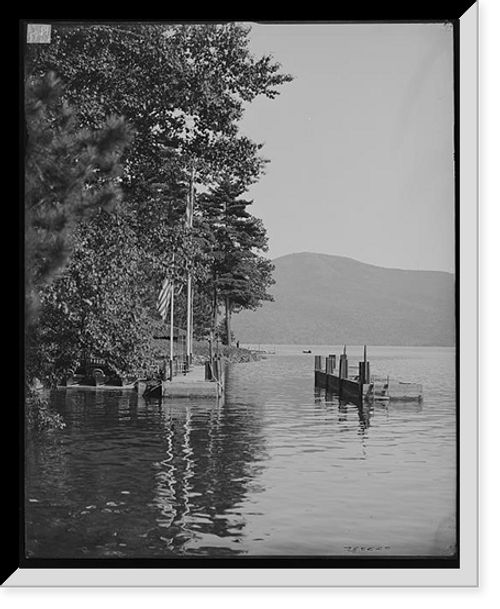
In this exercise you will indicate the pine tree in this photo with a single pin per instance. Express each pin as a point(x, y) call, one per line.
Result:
point(240, 274)
point(69, 174)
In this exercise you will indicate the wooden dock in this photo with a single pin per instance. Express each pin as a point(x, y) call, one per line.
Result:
point(199, 382)
point(357, 384)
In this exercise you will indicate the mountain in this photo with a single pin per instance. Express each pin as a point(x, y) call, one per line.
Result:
point(322, 299)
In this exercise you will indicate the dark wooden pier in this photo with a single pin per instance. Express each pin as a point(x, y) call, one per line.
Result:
point(357, 384)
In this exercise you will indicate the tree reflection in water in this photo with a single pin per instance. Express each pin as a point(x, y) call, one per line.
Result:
point(211, 458)
point(276, 468)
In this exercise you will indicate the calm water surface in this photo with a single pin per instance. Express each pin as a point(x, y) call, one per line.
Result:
point(279, 468)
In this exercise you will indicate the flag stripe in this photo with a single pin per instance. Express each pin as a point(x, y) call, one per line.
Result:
point(164, 303)
point(164, 299)
point(164, 311)
point(165, 291)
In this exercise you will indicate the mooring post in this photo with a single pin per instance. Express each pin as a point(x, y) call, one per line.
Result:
point(364, 369)
point(364, 373)
point(344, 365)
point(361, 379)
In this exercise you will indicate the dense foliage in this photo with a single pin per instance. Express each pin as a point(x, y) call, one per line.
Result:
point(124, 122)
point(70, 173)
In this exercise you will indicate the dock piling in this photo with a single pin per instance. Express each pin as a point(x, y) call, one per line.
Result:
point(330, 364)
point(344, 366)
point(364, 369)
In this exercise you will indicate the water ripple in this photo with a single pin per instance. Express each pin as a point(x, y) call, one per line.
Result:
point(277, 468)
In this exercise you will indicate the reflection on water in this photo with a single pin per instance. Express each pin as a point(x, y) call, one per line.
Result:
point(146, 479)
point(279, 468)
point(365, 410)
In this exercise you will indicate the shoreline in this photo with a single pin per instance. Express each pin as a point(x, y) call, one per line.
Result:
point(233, 355)
point(201, 351)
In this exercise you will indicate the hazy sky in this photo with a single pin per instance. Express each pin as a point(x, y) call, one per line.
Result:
point(360, 143)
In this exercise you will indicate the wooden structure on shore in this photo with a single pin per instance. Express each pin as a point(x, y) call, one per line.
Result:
point(358, 384)
point(175, 380)
point(202, 381)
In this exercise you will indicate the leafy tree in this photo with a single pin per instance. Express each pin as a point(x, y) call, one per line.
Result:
point(183, 90)
point(183, 87)
point(85, 312)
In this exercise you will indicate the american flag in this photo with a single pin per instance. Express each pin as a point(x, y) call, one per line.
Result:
point(164, 298)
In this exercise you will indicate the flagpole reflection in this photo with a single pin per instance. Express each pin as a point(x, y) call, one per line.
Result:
point(186, 487)
point(166, 495)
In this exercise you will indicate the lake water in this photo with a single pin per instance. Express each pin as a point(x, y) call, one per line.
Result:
point(277, 469)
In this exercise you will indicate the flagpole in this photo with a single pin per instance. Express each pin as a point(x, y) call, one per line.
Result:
point(189, 295)
point(192, 324)
point(172, 332)
point(188, 323)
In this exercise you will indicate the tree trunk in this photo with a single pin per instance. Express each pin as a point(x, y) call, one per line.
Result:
point(228, 322)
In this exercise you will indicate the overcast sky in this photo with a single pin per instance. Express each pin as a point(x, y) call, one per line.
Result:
point(360, 143)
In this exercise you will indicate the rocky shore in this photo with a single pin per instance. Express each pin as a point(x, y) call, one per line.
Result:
point(234, 355)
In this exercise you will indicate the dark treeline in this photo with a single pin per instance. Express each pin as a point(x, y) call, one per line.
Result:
point(124, 123)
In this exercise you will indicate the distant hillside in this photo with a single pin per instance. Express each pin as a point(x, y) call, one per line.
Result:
point(321, 299)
